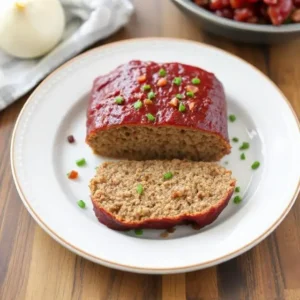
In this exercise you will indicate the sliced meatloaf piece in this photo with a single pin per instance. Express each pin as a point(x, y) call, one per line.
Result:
point(159, 194)
point(145, 110)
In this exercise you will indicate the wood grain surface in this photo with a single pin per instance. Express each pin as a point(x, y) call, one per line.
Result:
point(34, 266)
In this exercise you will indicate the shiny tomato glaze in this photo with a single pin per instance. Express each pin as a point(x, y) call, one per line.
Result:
point(205, 111)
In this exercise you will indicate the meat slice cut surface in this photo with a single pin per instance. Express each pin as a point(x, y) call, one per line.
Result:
point(159, 194)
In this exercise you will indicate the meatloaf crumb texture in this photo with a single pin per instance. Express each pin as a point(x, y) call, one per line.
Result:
point(123, 130)
point(145, 142)
point(197, 193)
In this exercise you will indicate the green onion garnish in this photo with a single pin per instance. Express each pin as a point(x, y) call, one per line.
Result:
point(168, 175)
point(138, 231)
point(80, 162)
point(162, 72)
point(150, 117)
point(237, 189)
point(237, 199)
point(81, 204)
point(235, 139)
point(179, 96)
point(190, 94)
point(138, 104)
point(140, 189)
point(232, 118)
point(255, 165)
point(119, 100)
point(146, 87)
point(243, 156)
point(151, 95)
point(177, 80)
point(244, 146)
point(196, 80)
point(181, 107)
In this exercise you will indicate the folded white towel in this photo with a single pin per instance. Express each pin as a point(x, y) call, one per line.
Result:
point(88, 21)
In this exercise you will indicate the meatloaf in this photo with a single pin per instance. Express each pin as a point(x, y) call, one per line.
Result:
point(146, 110)
point(159, 193)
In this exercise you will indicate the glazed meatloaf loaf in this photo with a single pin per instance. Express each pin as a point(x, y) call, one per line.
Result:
point(145, 110)
point(159, 194)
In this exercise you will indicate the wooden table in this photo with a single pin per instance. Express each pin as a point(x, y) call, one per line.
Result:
point(34, 266)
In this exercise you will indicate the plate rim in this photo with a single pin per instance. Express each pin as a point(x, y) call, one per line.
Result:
point(127, 267)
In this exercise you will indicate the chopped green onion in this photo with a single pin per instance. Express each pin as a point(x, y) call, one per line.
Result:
point(138, 104)
point(237, 189)
point(150, 117)
point(237, 199)
point(81, 204)
point(138, 231)
point(243, 156)
point(162, 72)
point(81, 162)
point(168, 175)
point(232, 118)
point(179, 96)
point(119, 100)
point(140, 189)
point(235, 139)
point(181, 107)
point(146, 87)
point(177, 80)
point(196, 80)
point(244, 146)
point(255, 165)
point(190, 94)
point(151, 95)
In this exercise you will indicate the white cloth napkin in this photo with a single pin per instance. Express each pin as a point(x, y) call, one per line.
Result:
point(88, 21)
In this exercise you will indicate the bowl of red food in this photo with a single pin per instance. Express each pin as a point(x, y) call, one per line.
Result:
point(250, 21)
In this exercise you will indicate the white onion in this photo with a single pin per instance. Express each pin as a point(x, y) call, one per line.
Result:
point(30, 28)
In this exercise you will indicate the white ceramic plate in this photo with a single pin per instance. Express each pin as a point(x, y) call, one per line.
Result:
point(41, 157)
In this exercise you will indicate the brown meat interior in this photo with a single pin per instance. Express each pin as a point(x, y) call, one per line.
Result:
point(145, 142)
point(194, 187)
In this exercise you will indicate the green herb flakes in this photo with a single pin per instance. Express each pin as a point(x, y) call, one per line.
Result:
point(81, 162)
point(162, 72)
point(138, 231)
point(138, 104)
point(237, 199)
point(150, 117)
point(177, 80)
point(119, 100)
point(168, 175)
point(196, 80)
point(140, 189)
point(181, 107)
point(232, 118)
point(244, 146)
point(255, 165)
point(81, 204)
point(151, 95)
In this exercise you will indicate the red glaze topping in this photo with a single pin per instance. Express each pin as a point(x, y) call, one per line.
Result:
point(205, 110)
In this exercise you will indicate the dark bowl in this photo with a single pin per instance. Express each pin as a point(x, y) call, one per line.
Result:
point(238, 31)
